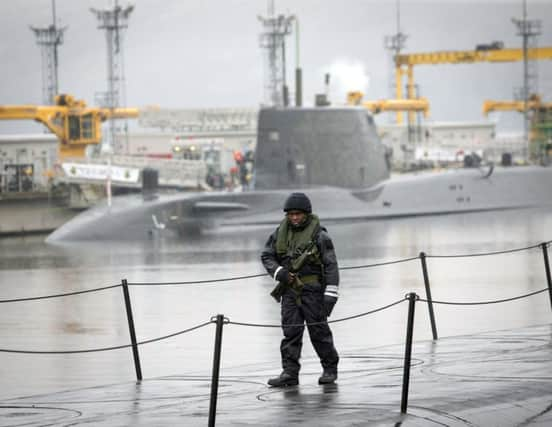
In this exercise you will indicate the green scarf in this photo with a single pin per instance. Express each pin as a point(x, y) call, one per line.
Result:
point(291, 241)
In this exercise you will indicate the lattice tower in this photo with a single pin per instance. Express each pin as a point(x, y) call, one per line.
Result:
point(49, 38)
point(528, 30)
point(114, 21)
point(394, 44)
point(272, 39)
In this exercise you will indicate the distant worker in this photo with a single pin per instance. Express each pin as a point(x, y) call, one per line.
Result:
point(233, 178)
point(242, 171)
point(300, 255)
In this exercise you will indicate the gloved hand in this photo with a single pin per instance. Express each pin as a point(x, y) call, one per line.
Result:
point(329, 303)
point(285, 276)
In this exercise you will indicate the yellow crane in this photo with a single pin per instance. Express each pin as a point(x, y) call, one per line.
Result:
point(414, 105)
point(75, 124)
point(404, 63)
point(540, 136)
point(534, 103)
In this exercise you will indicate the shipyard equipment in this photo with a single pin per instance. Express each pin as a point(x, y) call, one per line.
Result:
point(404, 63)
point(273, 40)
point(114, 21)
point(540, 137)
point(49, 38)
point(382, 105)
point(75, 124)
point(534, 103)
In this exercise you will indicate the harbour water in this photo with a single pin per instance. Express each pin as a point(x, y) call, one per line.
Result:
point(29, 267)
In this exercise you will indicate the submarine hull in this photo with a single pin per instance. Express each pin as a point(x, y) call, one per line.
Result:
point(450, 192)
point(335, 156)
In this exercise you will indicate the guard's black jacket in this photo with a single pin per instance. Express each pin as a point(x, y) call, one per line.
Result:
point(271, 262)
point(311, 309)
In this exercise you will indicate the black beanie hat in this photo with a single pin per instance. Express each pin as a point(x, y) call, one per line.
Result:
point(298, 202)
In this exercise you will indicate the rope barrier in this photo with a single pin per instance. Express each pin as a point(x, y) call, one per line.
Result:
point(260, 325)
point(506, 251)
point(353, 267)
point(59, 295)
point(118, 347)
point(485, 302)
point(196, 282)
point(356, 316)
point(379, 264)
point(251, 276)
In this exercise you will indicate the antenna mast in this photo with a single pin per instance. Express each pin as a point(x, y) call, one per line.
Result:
point(49, 38)
point(272, 39)
point(395, 44)
point(113, 21)
point(528, 30)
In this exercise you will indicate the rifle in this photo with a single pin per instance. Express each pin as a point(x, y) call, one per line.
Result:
point(297, 285)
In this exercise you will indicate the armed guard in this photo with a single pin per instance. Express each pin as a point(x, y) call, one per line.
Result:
point(300, 256)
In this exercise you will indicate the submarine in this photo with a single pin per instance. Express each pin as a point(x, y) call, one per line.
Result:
point(335, 156)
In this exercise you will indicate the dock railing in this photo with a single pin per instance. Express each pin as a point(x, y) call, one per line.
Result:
point(220, 320)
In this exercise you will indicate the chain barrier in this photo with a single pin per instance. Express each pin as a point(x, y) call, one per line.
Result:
point(60, 295)
point(117, 347)
point(485, 302)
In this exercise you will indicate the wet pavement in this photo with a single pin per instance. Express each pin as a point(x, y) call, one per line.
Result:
point(501, 378)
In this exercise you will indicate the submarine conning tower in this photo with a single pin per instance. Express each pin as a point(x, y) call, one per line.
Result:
point(326, 146)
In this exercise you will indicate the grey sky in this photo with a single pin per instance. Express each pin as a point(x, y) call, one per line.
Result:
point(205, 53)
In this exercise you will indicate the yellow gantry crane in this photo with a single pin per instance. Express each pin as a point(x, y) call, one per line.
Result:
point(404, 64)
point(534, 103)
point(397, 105)
point(540, 136)
point(75, 124)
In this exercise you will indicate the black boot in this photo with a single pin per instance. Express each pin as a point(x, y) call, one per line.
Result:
point(283, 380)
point(328, 377)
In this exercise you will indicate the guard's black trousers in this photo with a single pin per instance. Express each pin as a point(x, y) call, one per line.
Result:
point(310, 310)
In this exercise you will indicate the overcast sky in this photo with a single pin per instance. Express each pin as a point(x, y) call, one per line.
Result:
point(205, 53)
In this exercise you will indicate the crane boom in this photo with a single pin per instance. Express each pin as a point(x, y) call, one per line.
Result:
point(534, 103)
point(415, 105)
point(75, 124)
point(540, 134)
point(470, 56)
point(404, 64)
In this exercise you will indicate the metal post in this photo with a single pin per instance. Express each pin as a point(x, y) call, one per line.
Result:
point(216, 370)
point(285, 91)
point(547, 268)
point(132, 331)
point(298, 72)
point(298, 87)
point(428, 296)
point(412, 297)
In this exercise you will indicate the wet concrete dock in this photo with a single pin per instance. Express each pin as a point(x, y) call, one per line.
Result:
point(499, 378)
